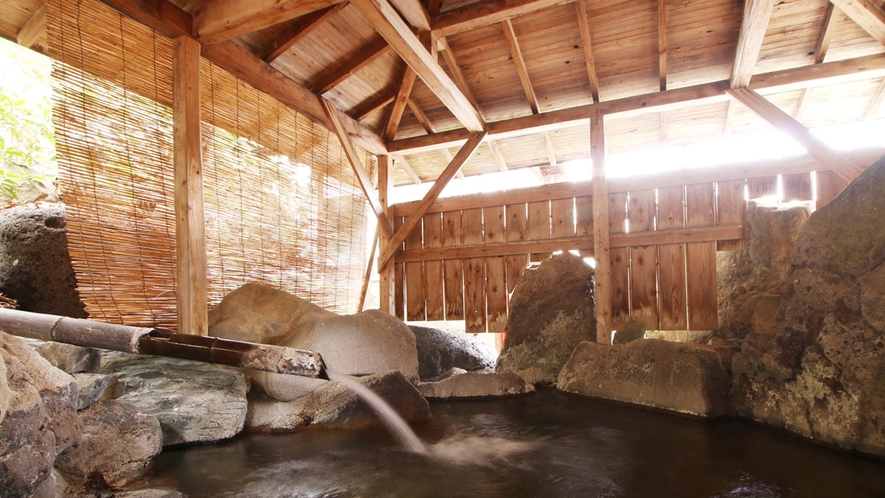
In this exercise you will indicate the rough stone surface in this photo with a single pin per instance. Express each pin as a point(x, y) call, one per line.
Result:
point(361, 344)
point(335, 405)
point(667, 375)
point(117, 445)
point(91, 387)
point(750, 281)
point(38, 418)
point(268, 414)
point(552, 310)
point(158, 492)
point(194, 402)
point(819, 370)
point(476, 385)
point(69, 358)
point(440, 350)
point(630, 331)
point(35, 267)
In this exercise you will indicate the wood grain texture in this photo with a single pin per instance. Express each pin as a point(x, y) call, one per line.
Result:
point(433, 270)
point(496, 276)
point(731, 208)
point(797, 187)
point(516, 232)
point(453, 269)
point(643, 261)
point(620, 262)
point(671, 215)
point(700, 260)
point(474, 274)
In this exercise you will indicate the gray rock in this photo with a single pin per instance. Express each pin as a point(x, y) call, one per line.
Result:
point(91, 388)
point(553, 308)
point(630, 331)
point(35, 267)
point(194, 402)
point(476, 385)
point(70, 358)
point(440, 350)
point(750, 281)
point(117, 446)
point(684, 378)
point(335, 405)
point(158, 492)
point(819, 371)
point(268, 414)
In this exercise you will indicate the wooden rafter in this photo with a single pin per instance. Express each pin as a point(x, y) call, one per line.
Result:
point(846, 70)
point(421, 117)
point(867, 14)
point(414, 13)
point(757, 13)
point(33, 34)
point(372, 104)
point(499, 158)
point(876, 101)
point(457, 74)
point(662, 43)
point(729, 119)
point(785, 123)
point(358, 169)
point(521, 68)
point(587, 46)
point(367, 55)
point(296, 31)
point(215, 22)
point(486, 12)
point(551, 154)
point(401, 162)
point(444, 178)
point(390, 25)
point(826, 33)
point(399, 104)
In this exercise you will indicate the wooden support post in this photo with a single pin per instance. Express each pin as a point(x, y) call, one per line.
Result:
point(369, 265)
point(600, 231)
point(190, 233)
point(386, 288)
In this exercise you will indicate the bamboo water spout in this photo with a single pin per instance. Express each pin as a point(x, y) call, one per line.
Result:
point(141, 340)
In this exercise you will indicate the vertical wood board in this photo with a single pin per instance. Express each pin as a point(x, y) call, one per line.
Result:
point(620, 262)
point(538, 226)
point(496, 282)
point(516, 232)
point(643, 261)
point(731, 209)
point(415, 278)
point(700, 260)
point(453, 269)
point(433, 270)
point(671, 261)
point(474, 273)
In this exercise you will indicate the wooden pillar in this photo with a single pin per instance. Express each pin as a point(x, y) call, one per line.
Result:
point(190, 236)
point(601, 231)
point(387, 289)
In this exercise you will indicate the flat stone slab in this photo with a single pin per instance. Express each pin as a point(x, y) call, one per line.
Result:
point(476, 385)
point(684, 378)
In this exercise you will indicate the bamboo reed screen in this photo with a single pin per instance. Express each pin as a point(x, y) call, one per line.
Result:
point(282, 205)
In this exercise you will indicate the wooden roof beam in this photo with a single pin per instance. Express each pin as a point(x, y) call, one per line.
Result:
point(867, 14)
point(587, 46)
point(399, 104)
point(876, 101)
point(551, 154)
point(487, 12)
point(387, 22)
point(444, 178)
point(662, 43)
point(414, 13)
point(401, 161)
point(499, 158)
point(521, 68)
point(216, 22)
point(367, 55)
point(757, 13)
point(785, 123)
point(171, 21)
point(33, 33)
point(299, 29)
point(357, 165)
point(826, 33)
point(457, 74)
point(372, 104)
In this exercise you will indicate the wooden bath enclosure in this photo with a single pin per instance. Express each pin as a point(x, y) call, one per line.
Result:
point(467, 255)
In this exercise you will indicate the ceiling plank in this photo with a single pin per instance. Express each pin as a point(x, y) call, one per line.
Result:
point(33, 33)
point(486, 12)
point(372, 104)
point(757, 13)
point(457, 74)
point(785, 123)
point(499, 158)
point(826, 34)
point(401, 161)
point(521, 68)
point(299, 29)
point(421, 117)
point(216, 22)
point(587, 46)
point(367, 55)
point(414, 13)
point(867, 14)
point(662, 43)
point(387, 22)
point(444, 178)
point(876, 101)
point(171, 21)
point(399, 104)
point(551, 154)
point(364, 180)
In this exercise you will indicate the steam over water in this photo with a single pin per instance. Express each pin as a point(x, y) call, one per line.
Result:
point(544, 445)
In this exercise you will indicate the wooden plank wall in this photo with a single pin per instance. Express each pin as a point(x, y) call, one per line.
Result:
point(465, 258)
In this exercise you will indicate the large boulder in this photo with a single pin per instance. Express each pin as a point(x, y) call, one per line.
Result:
point(476, 385)
point(336, 405)
point(750, 281)
point(441, 350)
point(38, 417)
point(819, 370)
point(194, 402)
point(117, 445)
point(685, 378)
point(35, 267)
point(553, 308)
point(361, 344)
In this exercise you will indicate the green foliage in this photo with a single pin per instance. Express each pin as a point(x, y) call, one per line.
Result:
point(27, 144)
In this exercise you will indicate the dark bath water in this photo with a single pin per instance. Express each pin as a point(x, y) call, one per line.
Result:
point(544, 445)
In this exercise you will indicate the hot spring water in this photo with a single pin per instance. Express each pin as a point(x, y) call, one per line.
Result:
point(547, 444)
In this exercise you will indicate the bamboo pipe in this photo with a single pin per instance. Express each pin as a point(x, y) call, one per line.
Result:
point(140, 340)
